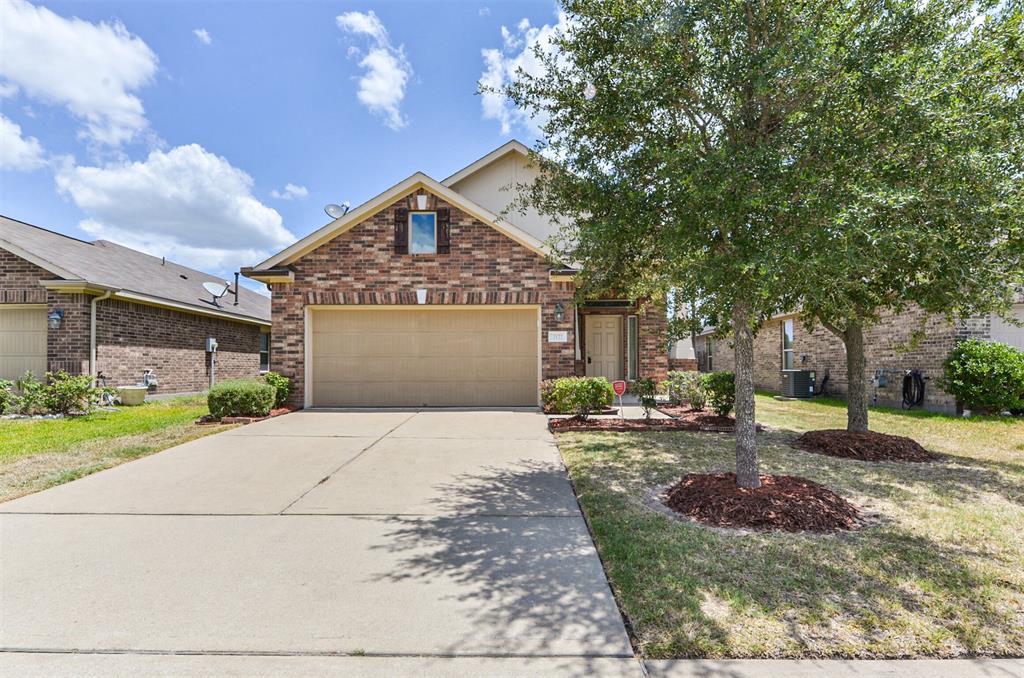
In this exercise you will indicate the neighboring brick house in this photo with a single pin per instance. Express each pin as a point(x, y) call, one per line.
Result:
point(888, 345)
point(88, 307)
point(424, 295)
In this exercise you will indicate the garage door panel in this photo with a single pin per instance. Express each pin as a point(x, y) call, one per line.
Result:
point(415, 357)
point(22, 341)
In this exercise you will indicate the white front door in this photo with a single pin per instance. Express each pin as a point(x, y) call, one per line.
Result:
point(604, 346)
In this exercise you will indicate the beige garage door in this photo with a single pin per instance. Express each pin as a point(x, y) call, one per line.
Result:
point(411, 357)
point(22, 341)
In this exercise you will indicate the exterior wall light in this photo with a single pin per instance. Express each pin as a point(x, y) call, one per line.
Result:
point(559, 312)
point(54, 318)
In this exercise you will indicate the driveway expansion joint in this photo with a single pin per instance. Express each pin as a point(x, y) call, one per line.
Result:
point(349, 461)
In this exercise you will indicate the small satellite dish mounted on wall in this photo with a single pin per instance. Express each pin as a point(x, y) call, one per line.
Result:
point(337, 211)
point(217, 290)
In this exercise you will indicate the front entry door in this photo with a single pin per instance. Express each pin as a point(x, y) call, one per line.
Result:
point(604, 346)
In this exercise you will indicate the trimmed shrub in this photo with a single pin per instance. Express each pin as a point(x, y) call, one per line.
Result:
point(576, 395)
point(282, 387)
point(720, 391)
point(685, 387)
point(985, 376)
point(241, 398)
point(644, 389)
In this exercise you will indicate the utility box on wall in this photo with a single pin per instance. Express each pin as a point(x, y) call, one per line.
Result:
point(798, 383)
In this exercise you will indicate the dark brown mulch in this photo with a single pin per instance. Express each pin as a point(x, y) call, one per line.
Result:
point(618, 424)
point(607, 410)
point(783, 503)
point(210, 419)
point(863, 445)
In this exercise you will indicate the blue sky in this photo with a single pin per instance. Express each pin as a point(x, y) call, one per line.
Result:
point(214, 133)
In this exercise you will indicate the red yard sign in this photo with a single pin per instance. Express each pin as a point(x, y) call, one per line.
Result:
point(619, 387)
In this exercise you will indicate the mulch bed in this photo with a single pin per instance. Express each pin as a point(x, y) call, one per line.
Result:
point(618, 424)
point(210, 419)
point(863, 445)
point(786, 503)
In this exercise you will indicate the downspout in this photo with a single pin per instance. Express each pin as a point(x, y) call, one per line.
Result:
point(92, 333)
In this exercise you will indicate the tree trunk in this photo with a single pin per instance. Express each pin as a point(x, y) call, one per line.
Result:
point(747, 473)
point(856, 389)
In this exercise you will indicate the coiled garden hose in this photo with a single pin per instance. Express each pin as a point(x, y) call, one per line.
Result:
point(913, 389)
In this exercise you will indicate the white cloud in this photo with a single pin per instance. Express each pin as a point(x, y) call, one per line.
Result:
point(202, 35)
point(484, 11)
point(7, 90)
point(501, 65)
point(387, 71)
point(186, 204)
point(290, 192)
point(18, 152)
point(92, 69)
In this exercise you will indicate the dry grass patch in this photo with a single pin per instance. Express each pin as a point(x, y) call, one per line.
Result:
point(936, 572)
point(37, 454)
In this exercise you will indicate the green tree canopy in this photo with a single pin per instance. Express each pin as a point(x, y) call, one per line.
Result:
point(711, 146)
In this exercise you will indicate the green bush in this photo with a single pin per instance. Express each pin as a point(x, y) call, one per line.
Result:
point(31, 398)
point(644, 389)
point(7, 397)
point(282, 387)
point(720, 391)
point(241, 398)
point(685, 387)
point(576, 395)
point(985, 376)
point(65, 394)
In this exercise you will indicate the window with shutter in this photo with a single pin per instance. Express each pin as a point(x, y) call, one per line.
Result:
point(401, 231)
point(444, 231)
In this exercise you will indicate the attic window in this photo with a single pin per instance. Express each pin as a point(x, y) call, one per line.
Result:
point(422, 232)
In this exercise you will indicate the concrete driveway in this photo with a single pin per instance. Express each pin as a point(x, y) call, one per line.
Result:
point(356, 543)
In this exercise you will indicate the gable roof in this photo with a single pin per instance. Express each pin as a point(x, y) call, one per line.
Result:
point(130, 274)
point(492, 157)
point(397, 192)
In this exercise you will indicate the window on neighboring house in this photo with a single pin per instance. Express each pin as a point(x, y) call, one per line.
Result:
point(787, 344)
point(423, 232)
point(709, 353)
point(264, 352)
point(632, 348)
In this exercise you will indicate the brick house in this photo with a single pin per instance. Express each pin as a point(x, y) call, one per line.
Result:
point(88, 307)
point(784, 343)
point(435, 293)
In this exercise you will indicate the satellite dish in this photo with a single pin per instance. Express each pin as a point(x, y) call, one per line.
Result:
point(336, 211)
point(216, 289)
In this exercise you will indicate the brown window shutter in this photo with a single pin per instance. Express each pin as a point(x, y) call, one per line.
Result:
point(444, 231)
point(401, 231)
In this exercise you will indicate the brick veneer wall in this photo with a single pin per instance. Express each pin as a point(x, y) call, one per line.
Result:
point(885, 343)
point(19, 280)
point(682, 364)
point(131, 338)
point(360, 267)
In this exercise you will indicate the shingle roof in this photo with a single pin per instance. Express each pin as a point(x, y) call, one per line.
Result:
point(111, 265)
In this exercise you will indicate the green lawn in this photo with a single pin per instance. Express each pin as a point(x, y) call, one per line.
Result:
point(938, 572)
point(39, 453)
